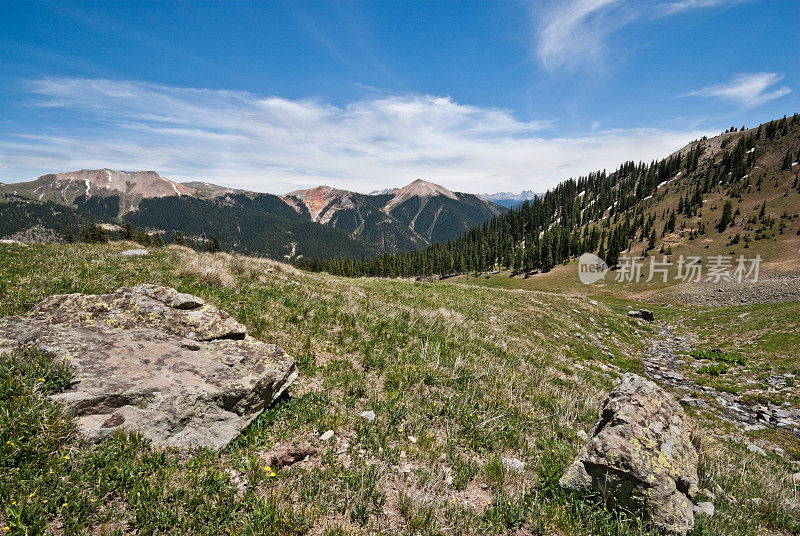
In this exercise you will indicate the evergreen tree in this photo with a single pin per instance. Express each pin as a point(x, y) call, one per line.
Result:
point(787, 161)
point(127, 232)
point(69, 236)
point(93, 233)
point(727, 216)
point(214, 246)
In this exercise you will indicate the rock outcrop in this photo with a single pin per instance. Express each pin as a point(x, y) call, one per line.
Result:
point(640, 456)
point(151, 359)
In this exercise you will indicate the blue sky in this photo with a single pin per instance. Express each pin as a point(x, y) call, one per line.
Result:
point(478, 96)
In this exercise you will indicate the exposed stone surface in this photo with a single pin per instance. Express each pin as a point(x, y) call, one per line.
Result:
point(149, 358)
point(667, 352)
point(134, 253)
point(640, 456)
point(704, 509)
point(644, 314)
point(514, 464)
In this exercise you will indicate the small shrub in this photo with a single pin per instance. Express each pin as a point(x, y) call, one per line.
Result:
point(714, 370)
point(720, 356)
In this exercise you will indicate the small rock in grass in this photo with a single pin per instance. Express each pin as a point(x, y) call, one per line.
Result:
point(694, 402)
point(704, 509)
point(583, 435)
point(514, 464)
point(369, 415)
point(412, 439)
point(752, 447)
point(647, 315)
point(326, 436)
point(756, 502)
point(134, 253)
point(708, 493)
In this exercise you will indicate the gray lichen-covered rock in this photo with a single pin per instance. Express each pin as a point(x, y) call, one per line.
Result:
point(640, 456)
point(151, 359)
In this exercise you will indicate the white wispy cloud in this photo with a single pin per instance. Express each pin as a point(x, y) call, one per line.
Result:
point(571, 34)
point(686, 5)
point(746, 90)
point(575, 32)
point(275, 144)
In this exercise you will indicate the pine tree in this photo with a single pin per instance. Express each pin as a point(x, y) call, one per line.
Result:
point(127, 231)
point(214, 246)
point(727, 216)
point(787, 161)
point(69, 236)
point(93, 233)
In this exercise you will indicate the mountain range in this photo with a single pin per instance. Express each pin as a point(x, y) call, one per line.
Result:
point(319, 222)
point(508, 199)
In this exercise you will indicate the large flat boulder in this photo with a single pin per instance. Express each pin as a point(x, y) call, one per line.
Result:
point(640, 456)
point(148, 358)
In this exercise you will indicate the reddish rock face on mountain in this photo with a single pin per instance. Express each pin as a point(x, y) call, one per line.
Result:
point(151, 359)
point(321, 202)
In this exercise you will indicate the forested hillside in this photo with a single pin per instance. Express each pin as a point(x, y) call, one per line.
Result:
point(17, 215)
point(642, 207)
point(260, 224)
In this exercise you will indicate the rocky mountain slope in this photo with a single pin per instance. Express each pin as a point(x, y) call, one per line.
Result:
point(397, 219)
point(319, 222)
point(75, 187)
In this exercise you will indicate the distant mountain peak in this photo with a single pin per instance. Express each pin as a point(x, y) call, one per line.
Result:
point(417, 188)
point(423, 188)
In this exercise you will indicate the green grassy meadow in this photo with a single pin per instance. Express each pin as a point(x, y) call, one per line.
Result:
point(458, 375)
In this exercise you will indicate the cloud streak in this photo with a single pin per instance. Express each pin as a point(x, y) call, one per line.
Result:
point(275, 144)
point(573, 34)
point(746, 90)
